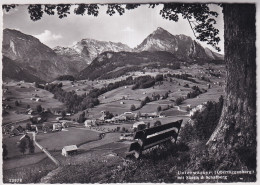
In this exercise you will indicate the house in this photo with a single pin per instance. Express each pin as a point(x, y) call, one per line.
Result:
point(151, 115)
point(139, 126)
point(58, 118)
point(90, 123)
point(69, 150)
point(56, 127)
point(130, 115)
point(38, 99)
point(119, 118)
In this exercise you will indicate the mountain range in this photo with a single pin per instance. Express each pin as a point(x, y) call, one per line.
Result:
point(26, 58)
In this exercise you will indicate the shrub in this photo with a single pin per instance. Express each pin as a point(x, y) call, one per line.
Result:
point(157, 123)
point(132, 108)
point(179, 100)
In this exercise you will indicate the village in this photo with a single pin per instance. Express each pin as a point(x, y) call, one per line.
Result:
point(32, 112)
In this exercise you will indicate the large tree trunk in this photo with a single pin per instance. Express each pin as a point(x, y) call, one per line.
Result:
point(233, 143)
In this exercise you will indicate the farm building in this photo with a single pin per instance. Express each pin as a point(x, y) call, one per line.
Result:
point(119, 118)
point(89, 123)
point(34, 128)
point(69, 150)
point(152, 115)
point(65, 124)
point(130, 115)
point(56, 127)
point(139, 126)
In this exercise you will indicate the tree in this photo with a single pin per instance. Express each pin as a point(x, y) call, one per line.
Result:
point(16, 103)
point(31, 146)
point(157, 123)
point(23, 145)
point(132, 108)
point(159, 77)
point(63, 114)
point(28, 126)
point(159, 108)
point(39, 108)
point(179, 100)
point(236, 130)
point(5, 151)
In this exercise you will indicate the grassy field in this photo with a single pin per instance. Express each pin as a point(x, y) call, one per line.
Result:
point(23, 96)
point(31, 173)
point(52, 141)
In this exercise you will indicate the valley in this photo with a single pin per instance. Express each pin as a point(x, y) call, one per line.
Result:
point(117, 102)
point(92, 99)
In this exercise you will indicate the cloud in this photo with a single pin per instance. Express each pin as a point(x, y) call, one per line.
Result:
point(48, 36)
point(128, 29)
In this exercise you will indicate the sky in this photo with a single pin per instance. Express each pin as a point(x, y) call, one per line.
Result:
point(131, 28)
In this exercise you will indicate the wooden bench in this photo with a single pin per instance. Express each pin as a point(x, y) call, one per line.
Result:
point(151, 137)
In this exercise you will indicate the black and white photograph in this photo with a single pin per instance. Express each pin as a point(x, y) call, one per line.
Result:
point(129, 91)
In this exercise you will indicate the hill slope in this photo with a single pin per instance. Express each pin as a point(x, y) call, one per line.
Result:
point(29, 53)
point(115, 64)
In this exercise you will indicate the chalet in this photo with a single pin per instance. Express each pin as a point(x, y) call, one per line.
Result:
point(109, 120)
point(65, 123)
point(56, 127)
point(34, 128)
point(69, 150)
point(130, 115)
point(16, 131)
point(58, 118)
point(151, 115)
point(90, 123)
point(38, 99)
point(139, 126)
point(119, 118)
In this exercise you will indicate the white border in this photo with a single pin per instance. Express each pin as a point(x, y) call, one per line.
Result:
point(144, 1)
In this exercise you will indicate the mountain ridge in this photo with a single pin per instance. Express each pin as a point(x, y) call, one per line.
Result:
point(28, 55)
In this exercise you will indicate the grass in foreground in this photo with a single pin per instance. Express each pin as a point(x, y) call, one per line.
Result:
point(29, 174)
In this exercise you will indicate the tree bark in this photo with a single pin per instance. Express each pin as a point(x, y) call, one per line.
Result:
point(233, 143)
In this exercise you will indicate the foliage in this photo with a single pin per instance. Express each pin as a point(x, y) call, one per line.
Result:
point(66, 77)
point(183, 77)
point(108, 115)
point(5, 151)
point(31, 146)
point(28, 126)
point(39, 108)
point(121, 63)
point(132, 108)
point(157, 123)
point(82, 117)
point(16, 103)
point(23, 146)
point(204, 122)
point(73, 102)
point(159, 77)
point(63, 114)
point(179, 101)
point(196, 91)
point(30, 173)
point(143, 82)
